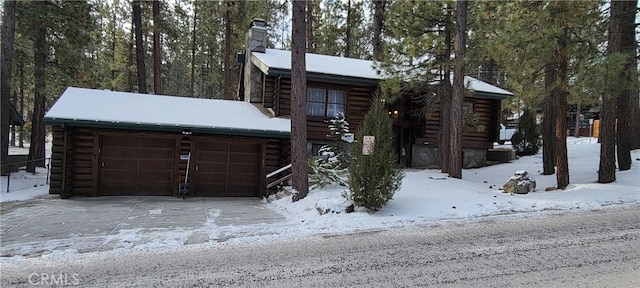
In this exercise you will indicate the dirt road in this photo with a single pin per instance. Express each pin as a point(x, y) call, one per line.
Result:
point(578, 249)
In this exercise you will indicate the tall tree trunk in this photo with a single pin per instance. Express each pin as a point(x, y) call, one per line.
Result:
point(227, 53)
point(157, 65)
point(609, 110)
point(347, 47)
point(130, 80)
point(447, 94)
point(113, 47)
point(562, 163)
point(455, 138)
point(21, 89)
point(548, 122)
point(137, 27)
point(12, 140)
point(311, 45)
point(8, 34)
point(626, 135)
point(193, 50)
point(299, 168)
point(576, 129)
point(486, 71)
point(378, 24)
point(630, 41)
point(36, 149)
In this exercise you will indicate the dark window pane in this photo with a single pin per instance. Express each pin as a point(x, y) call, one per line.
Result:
point(315, 109)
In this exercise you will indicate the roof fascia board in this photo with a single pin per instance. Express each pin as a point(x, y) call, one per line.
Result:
point(326, 78)
point(165, 128)
point(491, 95)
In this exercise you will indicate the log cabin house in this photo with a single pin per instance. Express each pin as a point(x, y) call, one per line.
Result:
point(116, 143)
point(338, 84)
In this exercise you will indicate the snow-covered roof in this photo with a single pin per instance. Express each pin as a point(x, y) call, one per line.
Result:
point(90, 107)
point(347, 67)
point(484, 87)
point(316, 63)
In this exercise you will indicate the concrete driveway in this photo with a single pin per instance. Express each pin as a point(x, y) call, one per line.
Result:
point(50, 225)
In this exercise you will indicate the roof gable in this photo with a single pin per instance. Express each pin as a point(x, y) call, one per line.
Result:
point(103, 108)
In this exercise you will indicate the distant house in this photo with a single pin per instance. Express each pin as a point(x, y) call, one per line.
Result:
point(15, 118)
point(338, 84)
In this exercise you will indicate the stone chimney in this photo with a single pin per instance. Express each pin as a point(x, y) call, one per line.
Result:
point(255, 41)
point(256, 38)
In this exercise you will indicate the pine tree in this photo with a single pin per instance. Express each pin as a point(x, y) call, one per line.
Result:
point(299, 168)
point(455, 135)
point(374, 178)
point(526, 141)
point(338, 127)
point(8, 32)
point(140, 51)
point(334, 157)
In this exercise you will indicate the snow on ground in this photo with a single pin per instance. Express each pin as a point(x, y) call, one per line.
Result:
point(22, 184)
point(428, 195)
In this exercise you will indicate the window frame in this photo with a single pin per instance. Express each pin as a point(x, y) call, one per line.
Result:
point(326, 103)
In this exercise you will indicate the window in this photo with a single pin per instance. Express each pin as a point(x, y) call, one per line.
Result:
point(325, 102)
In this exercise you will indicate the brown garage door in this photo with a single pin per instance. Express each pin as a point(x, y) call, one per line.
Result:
point(226, 167)
point(136, 165)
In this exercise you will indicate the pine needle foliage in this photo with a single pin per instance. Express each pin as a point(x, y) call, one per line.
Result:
point(374, 178)
point(527, 140)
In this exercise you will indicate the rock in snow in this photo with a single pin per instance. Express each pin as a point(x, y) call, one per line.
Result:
point(520, 183)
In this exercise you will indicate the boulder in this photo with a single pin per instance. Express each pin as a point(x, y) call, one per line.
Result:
point(520, 183)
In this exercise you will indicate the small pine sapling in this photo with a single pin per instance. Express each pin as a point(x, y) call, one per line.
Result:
point(374, 178)
point(331, 165)
point(338, 127)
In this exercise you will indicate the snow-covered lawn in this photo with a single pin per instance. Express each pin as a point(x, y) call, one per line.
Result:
point(428, 195)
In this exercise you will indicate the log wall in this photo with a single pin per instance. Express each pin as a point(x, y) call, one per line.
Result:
point(483, 136)
point(277, 95)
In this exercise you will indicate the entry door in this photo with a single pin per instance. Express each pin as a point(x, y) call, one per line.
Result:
point(226, 167)
point(136, 165)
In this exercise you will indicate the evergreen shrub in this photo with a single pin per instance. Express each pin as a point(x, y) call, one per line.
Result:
point(374, 178)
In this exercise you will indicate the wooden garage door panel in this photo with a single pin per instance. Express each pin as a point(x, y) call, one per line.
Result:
point(243, 157)
point(115, 164)
point(239, 179)
point(148, 142)
point(155, 165)
point(214, 145)
point(119, 141)
point(156, 153)
point(241, 190)
point(243, 147)
point(244, 168)
point(119, 188)
point(209, 156)
point(136, 165)
point(227, 168)
point(119, 152)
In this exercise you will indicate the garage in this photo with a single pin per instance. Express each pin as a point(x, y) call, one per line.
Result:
point(136, 165)
point(224, 167)
point(108, 143)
